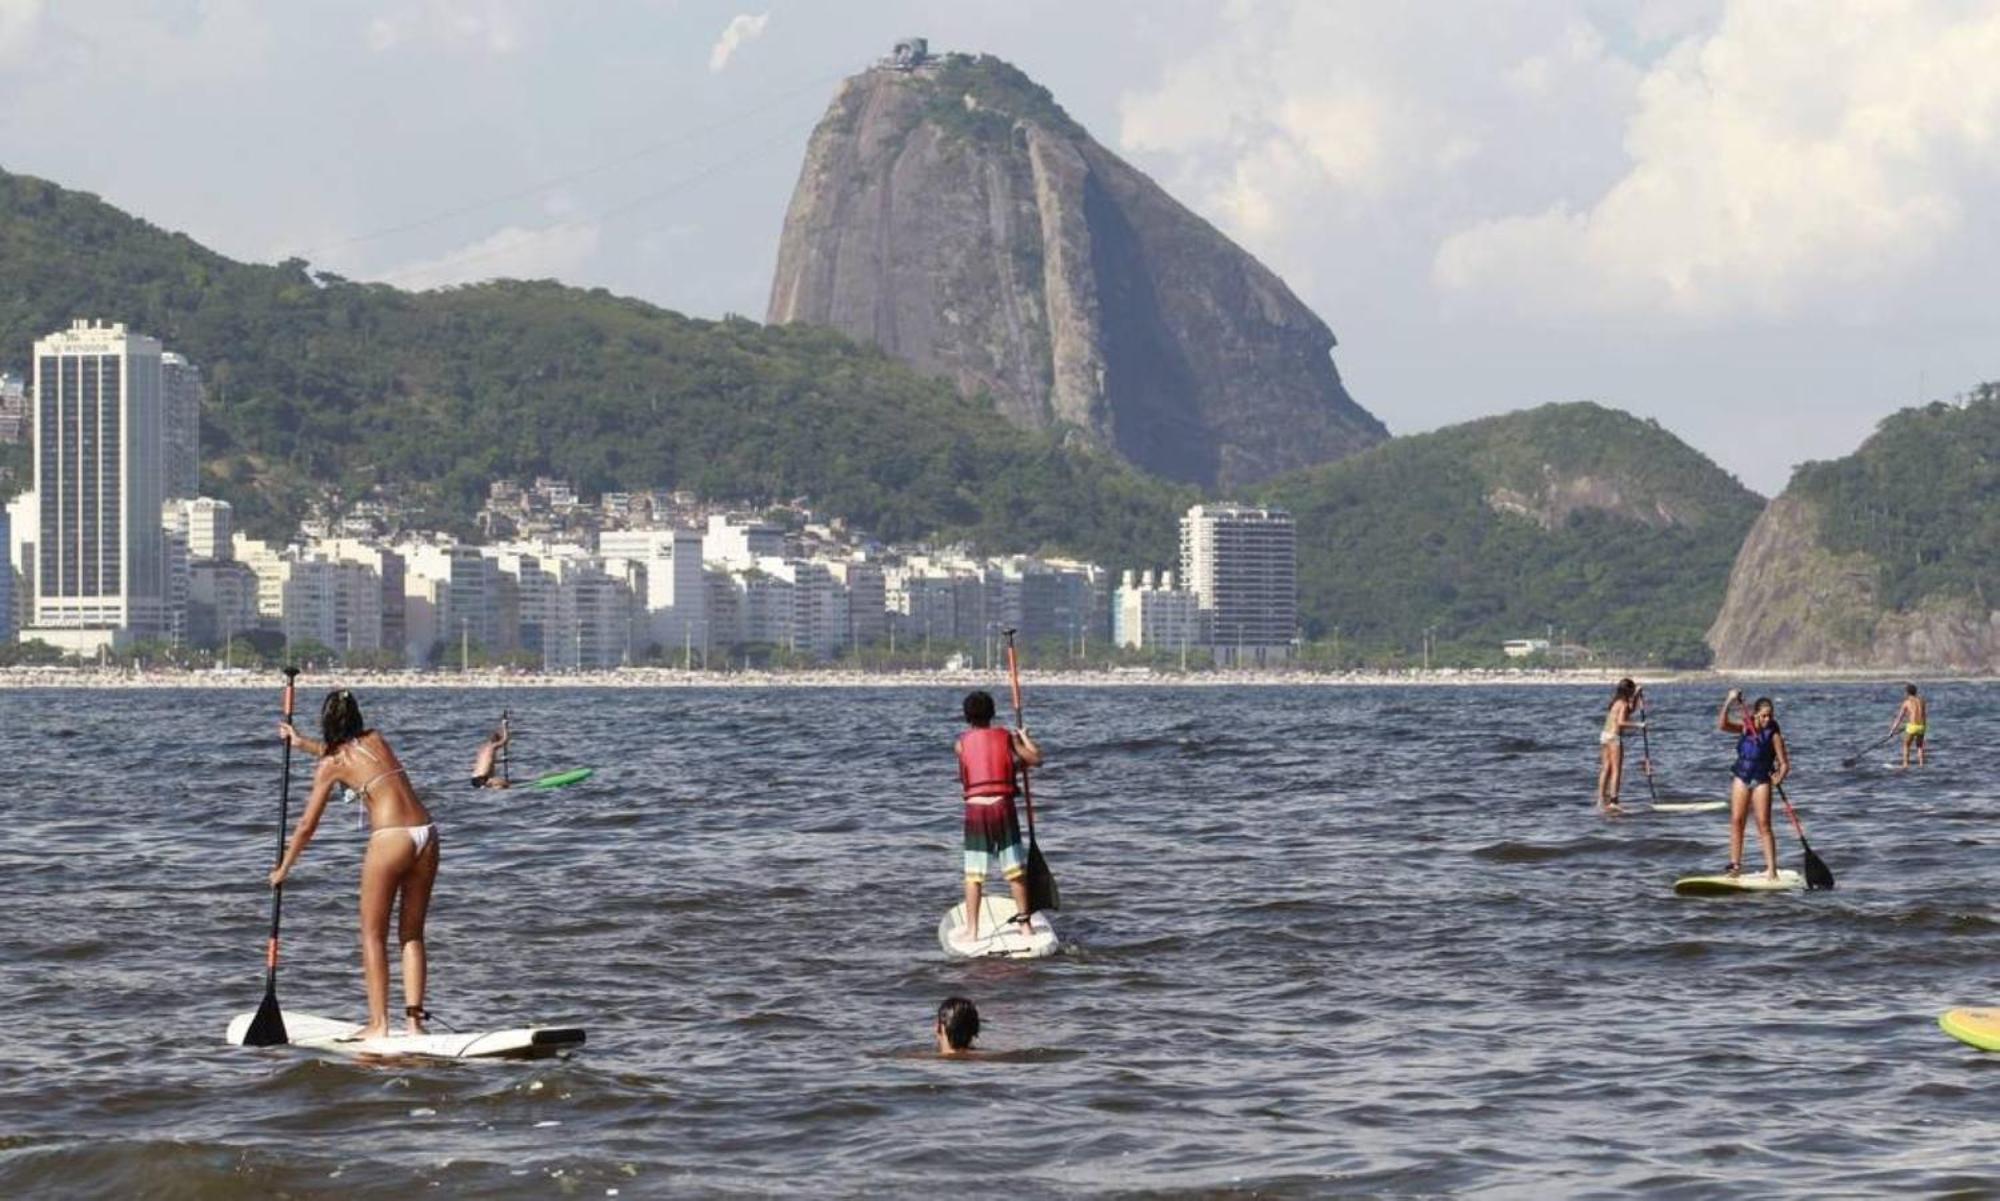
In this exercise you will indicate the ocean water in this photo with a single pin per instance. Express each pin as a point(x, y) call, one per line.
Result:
point(1321, 941)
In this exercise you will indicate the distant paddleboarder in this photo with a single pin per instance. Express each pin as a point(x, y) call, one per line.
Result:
point(1761, 764)
point(1913, 721)
point(1611, 743)
point(488, 755)
point(989, 758)
point(400, 863)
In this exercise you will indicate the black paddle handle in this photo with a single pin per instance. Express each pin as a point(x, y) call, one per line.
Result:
point(284, 818)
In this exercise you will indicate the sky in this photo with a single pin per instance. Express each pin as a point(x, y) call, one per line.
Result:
point(1765, 223)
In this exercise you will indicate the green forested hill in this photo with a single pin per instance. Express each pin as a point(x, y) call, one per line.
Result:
point(1571, 516)
point(1921, 497)
point(319, 384)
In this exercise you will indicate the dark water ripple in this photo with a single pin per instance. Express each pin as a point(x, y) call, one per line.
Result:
point(1323, 941)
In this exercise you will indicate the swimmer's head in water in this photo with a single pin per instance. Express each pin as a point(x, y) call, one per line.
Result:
point(958, 1023)
point(339, 719)
point(1909, 690)
point(979, 707)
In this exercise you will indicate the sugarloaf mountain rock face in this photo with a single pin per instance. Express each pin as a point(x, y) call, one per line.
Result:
point(950, 212)
point(1888, 559)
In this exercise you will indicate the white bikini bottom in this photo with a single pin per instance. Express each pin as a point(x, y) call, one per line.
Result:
point(420, 836)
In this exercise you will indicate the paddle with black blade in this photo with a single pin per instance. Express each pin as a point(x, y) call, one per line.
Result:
point(1856, 757)
point(1041, 882)
point(267, 1029)
point(1819, 876)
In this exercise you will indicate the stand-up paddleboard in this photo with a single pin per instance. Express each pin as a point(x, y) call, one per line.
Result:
point(341, 1038)
point(563, 779)
point(1687, 806)
point(1749, 881)
point(1978, 1027)
point(998, 937)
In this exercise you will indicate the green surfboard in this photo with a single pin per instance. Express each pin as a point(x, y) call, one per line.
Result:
point(563, 779)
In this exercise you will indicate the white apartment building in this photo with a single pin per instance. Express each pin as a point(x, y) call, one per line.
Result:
point(23, 523)
point(867, 599)
point(1241, 562)
point(99, 570)
point(181, 395)
point(736, 542)
point(675, 595)
point(1149, 613)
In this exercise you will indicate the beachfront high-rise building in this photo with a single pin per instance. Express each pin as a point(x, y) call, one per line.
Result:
point(99, 570)
point(180, 429)
point(6, 585)
point(1150, 614)
point(1241, 563)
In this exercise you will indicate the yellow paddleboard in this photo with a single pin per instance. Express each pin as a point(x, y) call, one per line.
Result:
point(1980, 1027)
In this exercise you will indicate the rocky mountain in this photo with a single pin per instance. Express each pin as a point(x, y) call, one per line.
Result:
point(950, 212)
point(1888, 559)
point(321, 387)
point(1569, 517)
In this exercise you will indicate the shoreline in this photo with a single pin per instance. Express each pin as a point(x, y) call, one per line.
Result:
point(21, 678)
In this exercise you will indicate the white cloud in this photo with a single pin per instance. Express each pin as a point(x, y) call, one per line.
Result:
point(742, 28)
point(19, 22)
point(552, 252)
point(491, 27)
point(1297, 120)
point(1801, 156)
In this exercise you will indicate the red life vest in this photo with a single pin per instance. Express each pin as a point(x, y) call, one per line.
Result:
point(986, 762)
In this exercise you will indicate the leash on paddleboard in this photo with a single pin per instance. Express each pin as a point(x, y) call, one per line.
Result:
point(1819, 877)
point(1855, 758)
point(1042, 893)
point(267, 1029)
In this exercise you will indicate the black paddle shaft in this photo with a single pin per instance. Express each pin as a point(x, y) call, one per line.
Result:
point(1042, 891)
point(267, 1028)
point(1645, 741)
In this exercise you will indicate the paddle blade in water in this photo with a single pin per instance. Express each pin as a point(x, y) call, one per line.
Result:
point(267, 1029)
point(1819, 877)
point(1042, 893)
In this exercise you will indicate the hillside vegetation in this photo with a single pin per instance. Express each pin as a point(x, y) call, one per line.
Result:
point(320, 386)
point(1921, 498)
point(1568, 516)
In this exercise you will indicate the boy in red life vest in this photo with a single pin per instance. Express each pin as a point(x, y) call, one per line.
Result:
point(988, 759)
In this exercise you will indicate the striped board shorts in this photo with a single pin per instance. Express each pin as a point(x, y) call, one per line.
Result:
point(993, 837)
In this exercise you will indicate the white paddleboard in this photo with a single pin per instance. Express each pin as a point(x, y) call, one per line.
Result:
point(1749, 881)
point(998, 938)
point(1688, 806)
point(342, 1038)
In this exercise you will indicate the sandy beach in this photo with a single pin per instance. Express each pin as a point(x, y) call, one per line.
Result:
point(650, 677)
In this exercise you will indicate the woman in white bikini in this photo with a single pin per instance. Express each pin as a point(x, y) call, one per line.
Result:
point(402, 855)
point(1611, 743)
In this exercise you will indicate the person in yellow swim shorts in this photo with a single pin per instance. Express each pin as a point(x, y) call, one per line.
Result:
point(1914, 720)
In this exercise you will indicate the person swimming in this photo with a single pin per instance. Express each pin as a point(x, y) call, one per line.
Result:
point(957, 1026)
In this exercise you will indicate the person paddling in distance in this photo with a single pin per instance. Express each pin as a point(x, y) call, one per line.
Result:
point(1913, 721)
point(400, 864)
point(989, 758)
point(488, 755)
point(1761, 764)
point(1611, 743)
